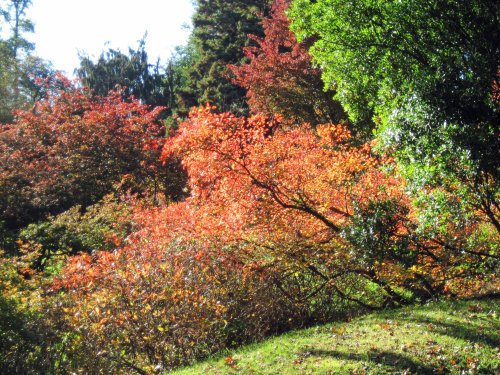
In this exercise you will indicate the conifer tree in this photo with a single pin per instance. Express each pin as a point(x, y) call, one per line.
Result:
point(220, 31)
point(132, 72)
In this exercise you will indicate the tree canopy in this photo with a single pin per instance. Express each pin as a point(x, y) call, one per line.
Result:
point(132, 72)
point(19, 68)
point(220, 31)
point(279, 76)
point(420, 70)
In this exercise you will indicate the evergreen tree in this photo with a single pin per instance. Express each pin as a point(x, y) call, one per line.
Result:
point(132, 72)
point(220, 31)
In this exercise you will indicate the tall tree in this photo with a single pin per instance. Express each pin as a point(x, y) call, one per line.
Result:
point(14, 12)
point(19, 69)
point(132, 72)
point(220, 31)
point(7, 83)
point(424, 72)
point(280, 78)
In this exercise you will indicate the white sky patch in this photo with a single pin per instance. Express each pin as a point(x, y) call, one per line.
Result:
point(65, 27)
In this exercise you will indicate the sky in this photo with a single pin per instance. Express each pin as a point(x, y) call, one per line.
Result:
point(65, 27)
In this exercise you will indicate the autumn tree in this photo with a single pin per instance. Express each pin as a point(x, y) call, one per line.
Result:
point(279, 76)
point(72, 149)
point(310, 189)
point(283, 225)
point(165, 299)
point(244, 166)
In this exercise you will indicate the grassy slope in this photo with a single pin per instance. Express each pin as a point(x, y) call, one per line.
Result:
point(446, 337)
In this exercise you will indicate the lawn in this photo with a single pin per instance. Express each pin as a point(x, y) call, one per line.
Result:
point(457, 337)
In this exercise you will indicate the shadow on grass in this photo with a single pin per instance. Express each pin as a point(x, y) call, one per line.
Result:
point(398, 362)
point(489, 335)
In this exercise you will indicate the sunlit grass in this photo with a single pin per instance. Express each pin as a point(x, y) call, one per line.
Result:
point(458, 337)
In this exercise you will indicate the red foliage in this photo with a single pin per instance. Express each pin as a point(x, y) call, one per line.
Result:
point(280, 78)
point(496, 88)
point(72, 148)
point(312, 201)
point(287, 192)
point(173, 293)
point(282, 223)
point(266, 209)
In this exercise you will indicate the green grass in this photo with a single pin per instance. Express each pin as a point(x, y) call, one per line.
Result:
point(457, 337)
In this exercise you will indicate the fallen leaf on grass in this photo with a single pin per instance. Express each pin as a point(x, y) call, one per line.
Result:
point(231, 362)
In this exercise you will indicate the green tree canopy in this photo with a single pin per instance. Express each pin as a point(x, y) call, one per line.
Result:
point(131, 71)
point(423, 70)
point(20, 70)
point(14, 12)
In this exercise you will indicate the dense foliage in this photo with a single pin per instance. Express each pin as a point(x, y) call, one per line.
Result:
point(133, 73)
point(136, 240)
point(220, 31)
point(415, 65)
point(425, 73)
point(279, 77)
point(72, 148)
point(284, 227)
